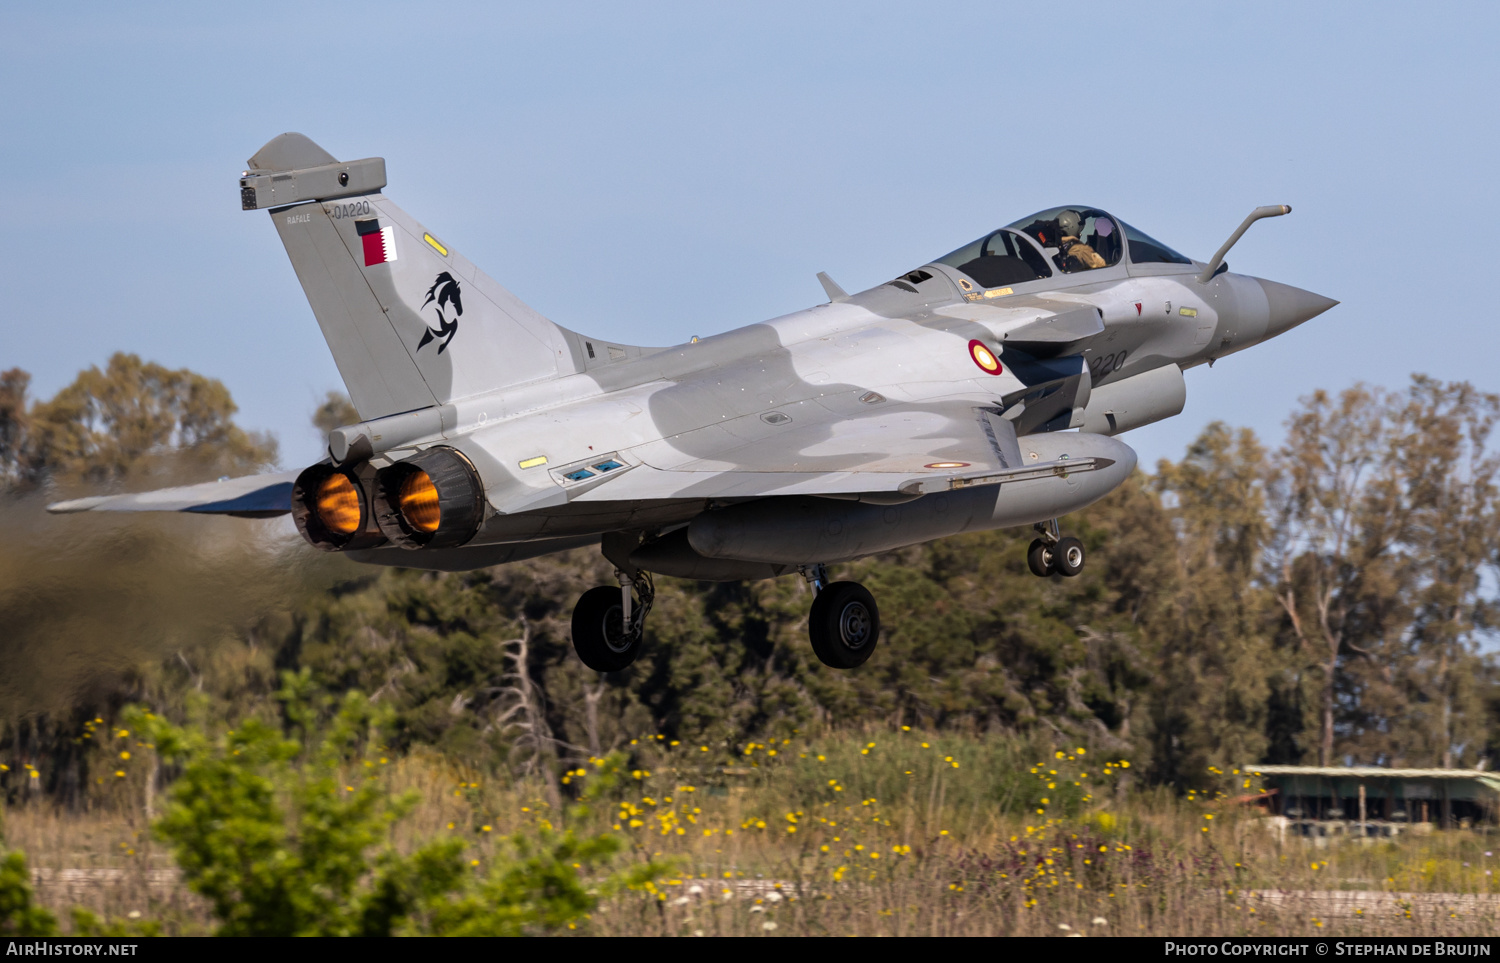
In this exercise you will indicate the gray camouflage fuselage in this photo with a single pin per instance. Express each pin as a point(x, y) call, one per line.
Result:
point(937, 403)
point(694, 416)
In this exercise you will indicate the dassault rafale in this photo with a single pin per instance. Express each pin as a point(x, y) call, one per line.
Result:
point(982, 390)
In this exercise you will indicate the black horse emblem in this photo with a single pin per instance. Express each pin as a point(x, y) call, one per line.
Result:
point(445, 292)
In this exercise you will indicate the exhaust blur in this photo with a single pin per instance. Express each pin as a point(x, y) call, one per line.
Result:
point(87, 600)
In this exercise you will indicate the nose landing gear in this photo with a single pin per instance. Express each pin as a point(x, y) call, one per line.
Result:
point(1052, 554)
point(609, 622)
point(844, 624)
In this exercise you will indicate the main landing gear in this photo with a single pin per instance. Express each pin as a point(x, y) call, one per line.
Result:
point(609, 622)
point(844, 623)
point(1051, 554)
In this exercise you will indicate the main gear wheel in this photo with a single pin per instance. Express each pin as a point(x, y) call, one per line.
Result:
point(844, 625)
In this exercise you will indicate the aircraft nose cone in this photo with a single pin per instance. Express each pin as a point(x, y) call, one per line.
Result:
point(1291, 306)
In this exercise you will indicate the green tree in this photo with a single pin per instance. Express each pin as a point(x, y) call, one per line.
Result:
point(1215, 652)
point(138, 419)
point(336, 411)
point(1331, 547)
point(1443, 470)
point(15, 425)
point(1384, 511)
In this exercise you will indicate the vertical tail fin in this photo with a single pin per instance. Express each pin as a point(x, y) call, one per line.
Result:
point(411, 323)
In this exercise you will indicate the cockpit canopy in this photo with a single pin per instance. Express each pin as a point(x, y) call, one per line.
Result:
point(1066, 240)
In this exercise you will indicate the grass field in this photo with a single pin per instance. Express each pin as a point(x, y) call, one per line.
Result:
point(893, 832)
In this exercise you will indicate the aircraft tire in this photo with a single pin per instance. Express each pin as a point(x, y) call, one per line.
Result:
point(844, 625)
point(1067, 557)
point(598, 631)
point(1039, 558)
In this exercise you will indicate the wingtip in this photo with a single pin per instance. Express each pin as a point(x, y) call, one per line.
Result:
point(77, 505)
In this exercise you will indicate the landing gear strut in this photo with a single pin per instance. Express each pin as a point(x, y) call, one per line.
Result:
point(609, 622)
point(844, 623)
point(1052, 554)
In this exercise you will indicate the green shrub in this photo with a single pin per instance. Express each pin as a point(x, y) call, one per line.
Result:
point(19, 914)
point(291, 835)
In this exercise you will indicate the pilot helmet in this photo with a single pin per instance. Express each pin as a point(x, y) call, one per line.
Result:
point(1070, 224)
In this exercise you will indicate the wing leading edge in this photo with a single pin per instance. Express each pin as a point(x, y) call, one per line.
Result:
point(254, 496)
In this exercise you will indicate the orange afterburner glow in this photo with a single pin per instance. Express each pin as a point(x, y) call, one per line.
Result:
point(419, 502)
point(984, 357)
point(338, 504)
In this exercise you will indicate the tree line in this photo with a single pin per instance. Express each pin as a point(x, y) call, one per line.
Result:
point(1330, 601)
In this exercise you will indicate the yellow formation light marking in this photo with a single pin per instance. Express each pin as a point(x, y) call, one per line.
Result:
point(947, 464)
point(536, 462)
point(337, 505)
point(432, 242)
point(999, 292)
point(418, 502)
point(984, 357)
point(1188, 312)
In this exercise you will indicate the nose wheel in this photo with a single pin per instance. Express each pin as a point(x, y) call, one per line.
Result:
point(844, 624)
point(609, 623)
point(1054, 555)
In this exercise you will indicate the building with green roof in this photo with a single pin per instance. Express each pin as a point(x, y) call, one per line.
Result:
point(1369, 794)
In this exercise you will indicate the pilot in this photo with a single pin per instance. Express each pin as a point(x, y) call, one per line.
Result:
point(1076, 255)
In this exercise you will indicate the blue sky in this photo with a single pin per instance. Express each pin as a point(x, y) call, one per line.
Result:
point(649, 172)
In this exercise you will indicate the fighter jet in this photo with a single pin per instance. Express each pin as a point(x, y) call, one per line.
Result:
point(981, 390)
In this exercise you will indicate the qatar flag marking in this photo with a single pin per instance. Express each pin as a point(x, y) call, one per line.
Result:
point(379, 242)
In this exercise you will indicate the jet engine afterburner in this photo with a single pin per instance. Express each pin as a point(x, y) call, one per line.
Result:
point(433, 499)
point(331, 508)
